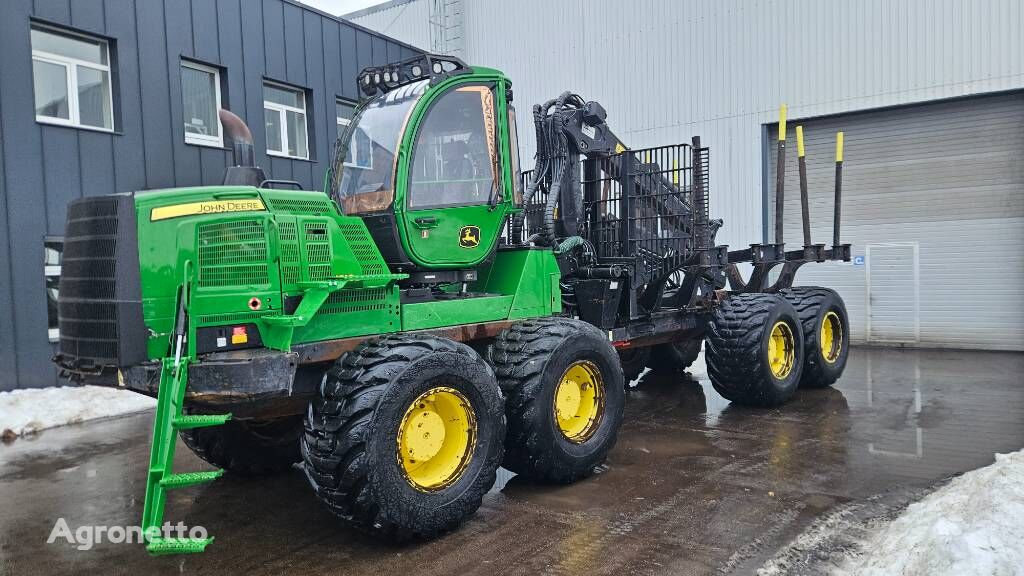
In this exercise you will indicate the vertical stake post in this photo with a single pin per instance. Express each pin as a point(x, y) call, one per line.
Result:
point(839, 190)
point(805, 209)
point(780, 176)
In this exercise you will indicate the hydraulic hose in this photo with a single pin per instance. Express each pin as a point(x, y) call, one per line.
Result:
point(568, 244)
point(540, 171)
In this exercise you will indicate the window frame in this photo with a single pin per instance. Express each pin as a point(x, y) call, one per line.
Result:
point(200, 139)
point(339, 121)
point(71, 65)
point(55, 243)
point(346, 122)
point(513, 152)
point(282, 110)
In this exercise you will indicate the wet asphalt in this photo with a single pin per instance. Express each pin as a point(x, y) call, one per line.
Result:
point(694, 485)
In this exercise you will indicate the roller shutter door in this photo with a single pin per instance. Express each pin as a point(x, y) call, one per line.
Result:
point(933, 203)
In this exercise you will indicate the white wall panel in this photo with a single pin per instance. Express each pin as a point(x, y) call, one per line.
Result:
point(666, 70)
point(409, 21)
point(944, 176)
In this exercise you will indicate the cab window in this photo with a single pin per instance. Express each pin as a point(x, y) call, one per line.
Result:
point(455, 157)
point(370, 145)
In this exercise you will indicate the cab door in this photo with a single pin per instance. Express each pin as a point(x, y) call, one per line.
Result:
point(455, 199)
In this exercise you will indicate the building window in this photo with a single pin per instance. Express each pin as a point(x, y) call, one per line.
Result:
point(345, 111)
point(71, 77)
point(53, 248)
point(359, 147)
point(284, 112)
point(200, 102)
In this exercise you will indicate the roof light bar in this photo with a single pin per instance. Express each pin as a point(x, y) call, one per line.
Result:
point(381, 79)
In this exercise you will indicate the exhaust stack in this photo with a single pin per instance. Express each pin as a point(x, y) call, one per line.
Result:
point(244, 172)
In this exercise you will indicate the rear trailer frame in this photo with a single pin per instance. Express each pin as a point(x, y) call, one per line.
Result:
point(649, 267)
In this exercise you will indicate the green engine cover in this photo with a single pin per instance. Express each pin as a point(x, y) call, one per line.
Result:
point(290, 264)
point(253, 253)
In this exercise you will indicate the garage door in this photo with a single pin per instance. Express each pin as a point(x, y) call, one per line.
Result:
point(933, 203)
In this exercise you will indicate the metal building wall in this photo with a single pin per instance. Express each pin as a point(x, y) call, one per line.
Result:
point(933, 199)
point(43, 167)
point(405, 19)
point(666, 70)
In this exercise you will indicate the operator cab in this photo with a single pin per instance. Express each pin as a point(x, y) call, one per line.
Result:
point(428, 163)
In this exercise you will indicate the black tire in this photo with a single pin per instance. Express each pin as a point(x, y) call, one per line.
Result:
point(675, 356)
point(816, 305)
point(634, 361)
point(737, 349)
point(530, 359)
point(350, 443)
point(246, 447)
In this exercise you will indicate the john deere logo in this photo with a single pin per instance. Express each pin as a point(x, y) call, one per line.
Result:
point(469, 236)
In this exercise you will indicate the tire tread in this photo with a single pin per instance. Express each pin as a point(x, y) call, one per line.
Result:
point(733, 349)
point(338, 423)
point(518, 357)
point(808, 300)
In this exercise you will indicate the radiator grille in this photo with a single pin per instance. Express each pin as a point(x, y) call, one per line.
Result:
point(233, 253)
point(98, 306)
point(86, 314)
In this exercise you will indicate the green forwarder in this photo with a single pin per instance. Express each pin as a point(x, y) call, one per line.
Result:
point(424, 320)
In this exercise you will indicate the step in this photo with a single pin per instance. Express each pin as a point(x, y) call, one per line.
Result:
point(165, 546)
point(186, 479)
point(200, 420)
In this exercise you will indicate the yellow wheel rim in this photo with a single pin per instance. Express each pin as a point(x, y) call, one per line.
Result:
point(579, 401)
point(831, 338)
point(436, 439)
point(781, 350)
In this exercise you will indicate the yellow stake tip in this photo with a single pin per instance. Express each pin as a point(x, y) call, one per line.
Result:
point(800, 141)
point(782, 122)
point(839, 146)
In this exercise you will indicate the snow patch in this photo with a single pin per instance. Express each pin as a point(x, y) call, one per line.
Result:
point(699, 368)
point(30, 410)
point(972, 525)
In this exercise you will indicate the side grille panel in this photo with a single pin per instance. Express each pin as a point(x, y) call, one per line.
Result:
point(361, 300)
point(233, 253)
point(363, 248)
point(289, 252)
point(318, 250)
point(308, 207)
